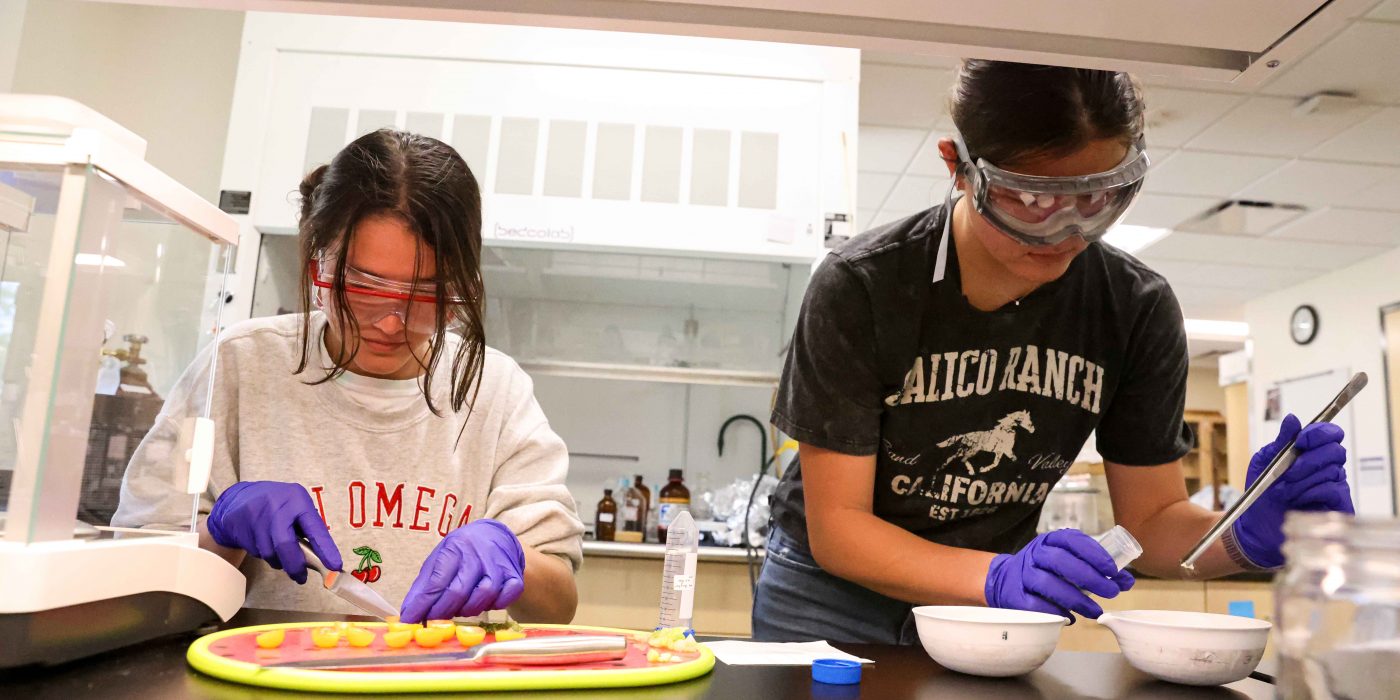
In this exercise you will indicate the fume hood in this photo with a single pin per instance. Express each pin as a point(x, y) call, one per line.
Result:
point(652, 205)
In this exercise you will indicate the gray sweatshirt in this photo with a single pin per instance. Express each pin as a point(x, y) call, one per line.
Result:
point(389, 478)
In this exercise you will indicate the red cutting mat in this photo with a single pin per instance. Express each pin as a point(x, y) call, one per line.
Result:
point(235, 656)
point(298, 647)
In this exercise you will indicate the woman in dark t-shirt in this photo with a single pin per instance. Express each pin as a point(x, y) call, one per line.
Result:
point(947, 369)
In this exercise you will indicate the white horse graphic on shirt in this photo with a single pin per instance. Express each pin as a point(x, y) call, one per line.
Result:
point(999, 441)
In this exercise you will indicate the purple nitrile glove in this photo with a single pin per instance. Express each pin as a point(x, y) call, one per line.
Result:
point(1317, 481)
point(477, 567)
point(267, 519)
point(1051, 574)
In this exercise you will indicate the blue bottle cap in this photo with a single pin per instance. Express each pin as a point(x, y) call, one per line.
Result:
point(836, 671)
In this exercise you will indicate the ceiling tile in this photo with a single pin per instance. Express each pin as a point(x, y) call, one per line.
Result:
point(888, 215)
point(1388, 10)
point(1159, 154)
point(1211, 308)
point(1383, 195)
point(1315, 183)
point(1207, 302)
point(1166, 210)
point(1345, 226)
point(1361, 59)
point(887, 150)
point(1267, 126)
point(1374, 140)
point(1258, 252)
point(916, 193)
point(1186, 83)
point(873, 188)
point(927, 161)
point(863, 219)
point(1174, 116)
point(903, 95)
point(1208, 174)
point(1183, 274)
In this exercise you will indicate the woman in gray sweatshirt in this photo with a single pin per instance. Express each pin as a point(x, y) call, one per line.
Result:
point(376, 424)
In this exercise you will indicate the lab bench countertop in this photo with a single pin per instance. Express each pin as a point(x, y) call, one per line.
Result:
point(653, 550)
point(157, 671)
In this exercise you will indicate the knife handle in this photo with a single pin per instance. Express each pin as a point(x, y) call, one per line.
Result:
point(545, 651)
point(313, 562)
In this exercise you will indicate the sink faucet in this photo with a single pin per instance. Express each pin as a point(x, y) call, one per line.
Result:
point(762, 442)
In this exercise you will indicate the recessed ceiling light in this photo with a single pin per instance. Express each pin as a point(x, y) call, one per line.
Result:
point(1216, 330)
point(95, 260)
point(1242, 217)
point(1130, 238)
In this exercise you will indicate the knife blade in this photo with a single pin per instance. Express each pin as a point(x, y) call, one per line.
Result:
point(555, 650)
point(349, 588)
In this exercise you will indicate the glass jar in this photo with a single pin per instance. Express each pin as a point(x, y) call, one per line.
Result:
point(1338, 608)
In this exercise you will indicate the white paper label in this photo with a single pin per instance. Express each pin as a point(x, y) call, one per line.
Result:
point(683, 582)
point(605, 517)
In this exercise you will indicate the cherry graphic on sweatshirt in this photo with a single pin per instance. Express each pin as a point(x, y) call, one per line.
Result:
point(368, 570)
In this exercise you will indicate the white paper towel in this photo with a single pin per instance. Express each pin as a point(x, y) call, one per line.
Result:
point(738, 653)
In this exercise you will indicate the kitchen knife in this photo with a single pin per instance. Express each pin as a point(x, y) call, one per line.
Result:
point(349, 588)
point(554, 650)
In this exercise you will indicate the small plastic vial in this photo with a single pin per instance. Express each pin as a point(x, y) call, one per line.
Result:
point(1121, 545)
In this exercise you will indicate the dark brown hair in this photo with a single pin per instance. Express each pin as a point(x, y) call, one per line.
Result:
point(424, 182)
point(1015, 112)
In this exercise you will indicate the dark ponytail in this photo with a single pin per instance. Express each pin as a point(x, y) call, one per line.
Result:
point(1016, 112)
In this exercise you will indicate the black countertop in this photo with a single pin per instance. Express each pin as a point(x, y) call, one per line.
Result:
point(157, 671)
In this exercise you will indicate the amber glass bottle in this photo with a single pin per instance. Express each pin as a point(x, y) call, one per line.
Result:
point(605, 526)
point(646, 501)
point(674, 500)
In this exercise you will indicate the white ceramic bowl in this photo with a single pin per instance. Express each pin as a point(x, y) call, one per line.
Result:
point(987, 641)
point(1189, 647)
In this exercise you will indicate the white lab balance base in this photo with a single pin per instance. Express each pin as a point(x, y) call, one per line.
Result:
point(66, 599)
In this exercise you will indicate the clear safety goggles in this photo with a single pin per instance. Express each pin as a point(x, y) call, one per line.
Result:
point(1042, 211)
point(372, 299)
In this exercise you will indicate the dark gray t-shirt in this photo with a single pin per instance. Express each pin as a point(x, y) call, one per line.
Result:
point(973, 415)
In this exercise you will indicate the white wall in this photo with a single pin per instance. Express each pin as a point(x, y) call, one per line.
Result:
point(662, 426)
point(11, 26)
point(1348, 304)
point(1203, 390)
point(165, 73)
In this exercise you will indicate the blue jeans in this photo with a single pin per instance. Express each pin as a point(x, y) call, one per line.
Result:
point(797, 601)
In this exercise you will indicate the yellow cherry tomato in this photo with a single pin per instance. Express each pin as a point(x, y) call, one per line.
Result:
point(398, 639)
point(404, 627)
point(508, 634)
point(359, 636)
point(427, 637)
point(653, 656)
point(325, 637)
point(440, 623)
point(271, 640)
point(470, 636)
